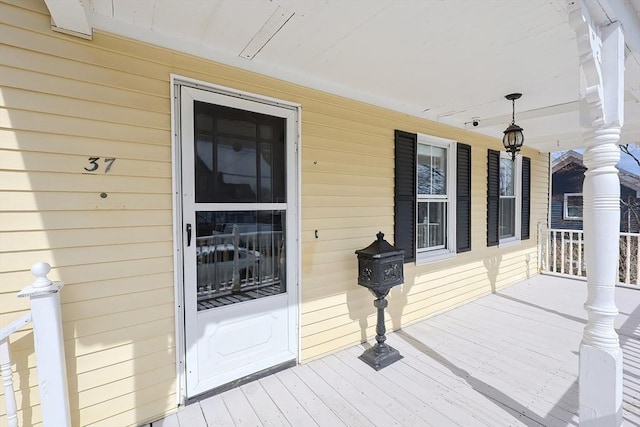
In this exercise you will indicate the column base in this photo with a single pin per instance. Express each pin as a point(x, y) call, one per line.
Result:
point(600, 386)
point(380, 356)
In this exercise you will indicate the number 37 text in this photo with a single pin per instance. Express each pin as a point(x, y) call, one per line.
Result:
point(94, 164)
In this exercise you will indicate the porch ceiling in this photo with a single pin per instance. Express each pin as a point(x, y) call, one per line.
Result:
point(448, 61)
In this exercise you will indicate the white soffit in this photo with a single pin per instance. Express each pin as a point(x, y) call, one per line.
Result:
point(448, 61)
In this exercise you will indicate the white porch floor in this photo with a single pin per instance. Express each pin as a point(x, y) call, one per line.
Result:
point(507, 359)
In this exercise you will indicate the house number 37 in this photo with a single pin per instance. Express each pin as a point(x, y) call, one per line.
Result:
point(94, 164)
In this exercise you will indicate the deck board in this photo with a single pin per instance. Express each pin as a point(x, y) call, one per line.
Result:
point(342, 407)
point(371, 404)
point(378, 392)
point(259, 394)
point(240, 409)
point(215, 412)
point(317, 408)
point(290, 409)
point(507, 359)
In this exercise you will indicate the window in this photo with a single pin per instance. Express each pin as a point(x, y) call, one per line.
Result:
point(573, 206)
point(432, 197)
point(435, 202)
point(508, 198)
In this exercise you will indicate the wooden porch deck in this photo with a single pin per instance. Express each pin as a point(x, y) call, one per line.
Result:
point(507, 359)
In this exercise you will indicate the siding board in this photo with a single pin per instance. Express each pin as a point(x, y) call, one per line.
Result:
point(63, 125)
point(114, 321)
point(65, 220)
point(137, 333)
point(333, 154)
point(81, 108)
point(44, 181)
point(85, 72)
point(337, 145)
point(55, 85)
point(50, 201)
point(320, 166)
point(121, 355)
point(25, 140)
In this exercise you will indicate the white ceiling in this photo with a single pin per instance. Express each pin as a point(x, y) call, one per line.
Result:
point(445, 60)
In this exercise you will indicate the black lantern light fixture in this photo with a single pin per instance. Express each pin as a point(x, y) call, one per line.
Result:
point(513, 137)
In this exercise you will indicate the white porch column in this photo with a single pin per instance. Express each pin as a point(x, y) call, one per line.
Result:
point(601, 94)
point(600, 381)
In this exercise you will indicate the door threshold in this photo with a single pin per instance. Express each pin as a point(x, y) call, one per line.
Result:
point(241, 381)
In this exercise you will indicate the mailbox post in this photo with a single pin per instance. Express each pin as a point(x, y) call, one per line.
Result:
point(380, 267)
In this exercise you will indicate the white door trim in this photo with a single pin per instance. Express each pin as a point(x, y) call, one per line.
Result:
point(176, 82)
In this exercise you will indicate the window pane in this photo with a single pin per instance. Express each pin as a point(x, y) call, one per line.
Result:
point(432, 225)
point(507, 222)
point(240, 256)
point(574, 206)
point(432, 170)
point(240, 156)
point(507, 175)
point(236, 176)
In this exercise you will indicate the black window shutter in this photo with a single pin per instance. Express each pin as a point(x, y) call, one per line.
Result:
point(405, 193)
point(463, 198)
point(526, 198)
point(493, 196)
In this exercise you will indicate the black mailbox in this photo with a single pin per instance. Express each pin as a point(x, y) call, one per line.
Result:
point(380, 267)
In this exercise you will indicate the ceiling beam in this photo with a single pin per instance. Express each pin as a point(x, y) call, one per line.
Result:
point(273, 24)
point(69, 17)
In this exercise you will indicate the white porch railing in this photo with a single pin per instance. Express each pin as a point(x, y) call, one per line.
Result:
point(561, 252)
point(236, 263)
point(49, 348)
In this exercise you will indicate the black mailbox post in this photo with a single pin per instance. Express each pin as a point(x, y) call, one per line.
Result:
point(380, 267)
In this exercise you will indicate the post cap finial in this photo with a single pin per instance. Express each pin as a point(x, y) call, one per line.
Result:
point(40, 270)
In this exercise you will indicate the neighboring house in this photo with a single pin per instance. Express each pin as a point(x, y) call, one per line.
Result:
point(566, 194)
point(204, 217)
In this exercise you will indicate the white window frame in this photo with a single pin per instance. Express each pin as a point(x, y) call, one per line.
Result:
point(427, 255)
point(565, 210)
point(517, 189)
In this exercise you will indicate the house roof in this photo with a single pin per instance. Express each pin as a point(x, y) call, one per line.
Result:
point(447, 61)
point(571, 157)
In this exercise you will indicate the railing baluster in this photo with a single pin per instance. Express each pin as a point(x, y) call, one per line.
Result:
point(5, 368)
point(627, 261)
point(571, 253)
point(539, 247)
point(553, 250)
point(637, 259)
point(562, 251)
point(580, 248)
point(7, 383)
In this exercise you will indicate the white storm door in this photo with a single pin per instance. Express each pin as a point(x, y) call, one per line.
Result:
point(239, 236)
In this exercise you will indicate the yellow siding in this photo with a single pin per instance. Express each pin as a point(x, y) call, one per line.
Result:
point(64, 100)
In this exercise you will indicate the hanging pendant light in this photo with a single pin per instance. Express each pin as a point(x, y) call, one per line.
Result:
point(513, 137)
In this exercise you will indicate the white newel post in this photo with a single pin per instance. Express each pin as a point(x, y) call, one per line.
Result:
point(602, 80)
point(49, 346)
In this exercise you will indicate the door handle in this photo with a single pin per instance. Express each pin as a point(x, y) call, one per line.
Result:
point(188, 234)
